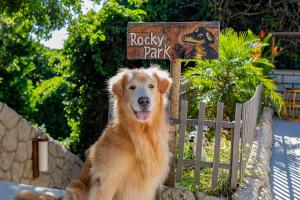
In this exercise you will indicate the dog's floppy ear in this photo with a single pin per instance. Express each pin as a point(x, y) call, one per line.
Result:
point(163, 79)
point(117, 82)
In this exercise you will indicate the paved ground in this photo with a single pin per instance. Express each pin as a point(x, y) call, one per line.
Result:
point(8, 190)
point(285, 163)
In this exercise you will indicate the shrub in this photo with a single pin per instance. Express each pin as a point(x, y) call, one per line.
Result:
point(47, 105)
point(233, 77)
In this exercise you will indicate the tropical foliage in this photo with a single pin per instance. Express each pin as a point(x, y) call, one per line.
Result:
point(233, 77)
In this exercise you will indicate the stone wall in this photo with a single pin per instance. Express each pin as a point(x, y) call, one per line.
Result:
point(256, 182)
point(287, 78)
point(169, 193)
point(16, 151)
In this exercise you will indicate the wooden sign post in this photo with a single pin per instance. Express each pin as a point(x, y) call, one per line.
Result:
point(173, 41)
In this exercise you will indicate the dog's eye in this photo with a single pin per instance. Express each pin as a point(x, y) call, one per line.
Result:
point(132, 87)
point(200, 36)
point(151, 86)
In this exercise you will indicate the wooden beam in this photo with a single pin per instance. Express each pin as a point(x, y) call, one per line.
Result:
point(183, 117)
point(175, 68)
point(286, 34)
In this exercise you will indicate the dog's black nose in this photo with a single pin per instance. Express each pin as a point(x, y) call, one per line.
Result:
point(144, 101)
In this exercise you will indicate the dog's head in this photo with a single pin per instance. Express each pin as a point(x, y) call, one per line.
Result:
point(140, 92)
point(199, 36)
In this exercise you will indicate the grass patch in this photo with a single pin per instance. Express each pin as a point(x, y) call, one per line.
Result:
point(223, 188)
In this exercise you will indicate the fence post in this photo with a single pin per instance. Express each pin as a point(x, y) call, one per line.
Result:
point(235, 141)
point(201, 118)
point(216, 160)
point(183, 117)
point(175, 69)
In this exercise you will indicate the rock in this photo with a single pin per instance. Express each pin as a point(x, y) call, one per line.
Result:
point(9, 117)
point(246, 193)
point(44, 180)
point(52, 148)
point(177, 194)
point(17, 171)
point(61, 152)
point(57, 178)
point(34, 133)
point(29, 147)
point(51, 164)
point(211, 198)
point(60, 162)
point(24, 130)
point(22, 152)
point(74, 172)
point(160, 191)
point(253, 182)
point(1, 106)
point(6, 176)
point(2, 132)
point(28, 169)
point(6, 159)
point(25, 181)
point(199, 195)
point(9, 141)
point(265, 194)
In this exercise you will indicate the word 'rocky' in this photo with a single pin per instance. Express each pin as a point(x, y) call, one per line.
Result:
point(154, 45)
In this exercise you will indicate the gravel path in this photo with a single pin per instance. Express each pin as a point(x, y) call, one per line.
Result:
point(285, 162)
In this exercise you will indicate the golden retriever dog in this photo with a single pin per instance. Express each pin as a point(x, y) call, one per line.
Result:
point(131, 158)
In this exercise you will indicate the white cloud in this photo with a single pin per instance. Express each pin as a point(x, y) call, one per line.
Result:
point(59, 36)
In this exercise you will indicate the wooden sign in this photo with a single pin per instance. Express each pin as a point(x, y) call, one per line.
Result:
point(173, 40)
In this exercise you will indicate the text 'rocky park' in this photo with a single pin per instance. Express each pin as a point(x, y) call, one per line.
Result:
point(155, 45)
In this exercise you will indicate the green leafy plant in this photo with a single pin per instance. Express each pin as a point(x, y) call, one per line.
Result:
point(233, 77)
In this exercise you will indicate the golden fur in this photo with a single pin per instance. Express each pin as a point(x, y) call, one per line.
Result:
point(130, 159)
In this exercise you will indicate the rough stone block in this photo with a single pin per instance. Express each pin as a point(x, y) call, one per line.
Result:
point(8, 117)
point(6, 176)
point(61, 152)
point(57, 178)
point(246, 193)
point(29, 147)
point(44, 180)
point(24, 130)
point(2, 132)
point(265, 194)
point(28, 169)
point(22, 152)
point(60, 162)
point(10, 140)
point(53, 148)
point(199, 196)
point(211, 198)
point(6, 159)
point(297, 86)
point(25, 181)
point(51, 164)
point(177, 194)
point(278, 78)
point(283, 72)
point(17, 171)
point(291, 79)
point(1, 106)
point(34, 133)
point(287, 86)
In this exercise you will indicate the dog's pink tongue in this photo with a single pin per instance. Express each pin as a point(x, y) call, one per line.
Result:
point(143, 115)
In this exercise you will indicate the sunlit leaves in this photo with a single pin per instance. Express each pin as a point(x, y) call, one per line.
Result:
point(234, 76)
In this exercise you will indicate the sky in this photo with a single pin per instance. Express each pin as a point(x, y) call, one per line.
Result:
point(59, 36)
